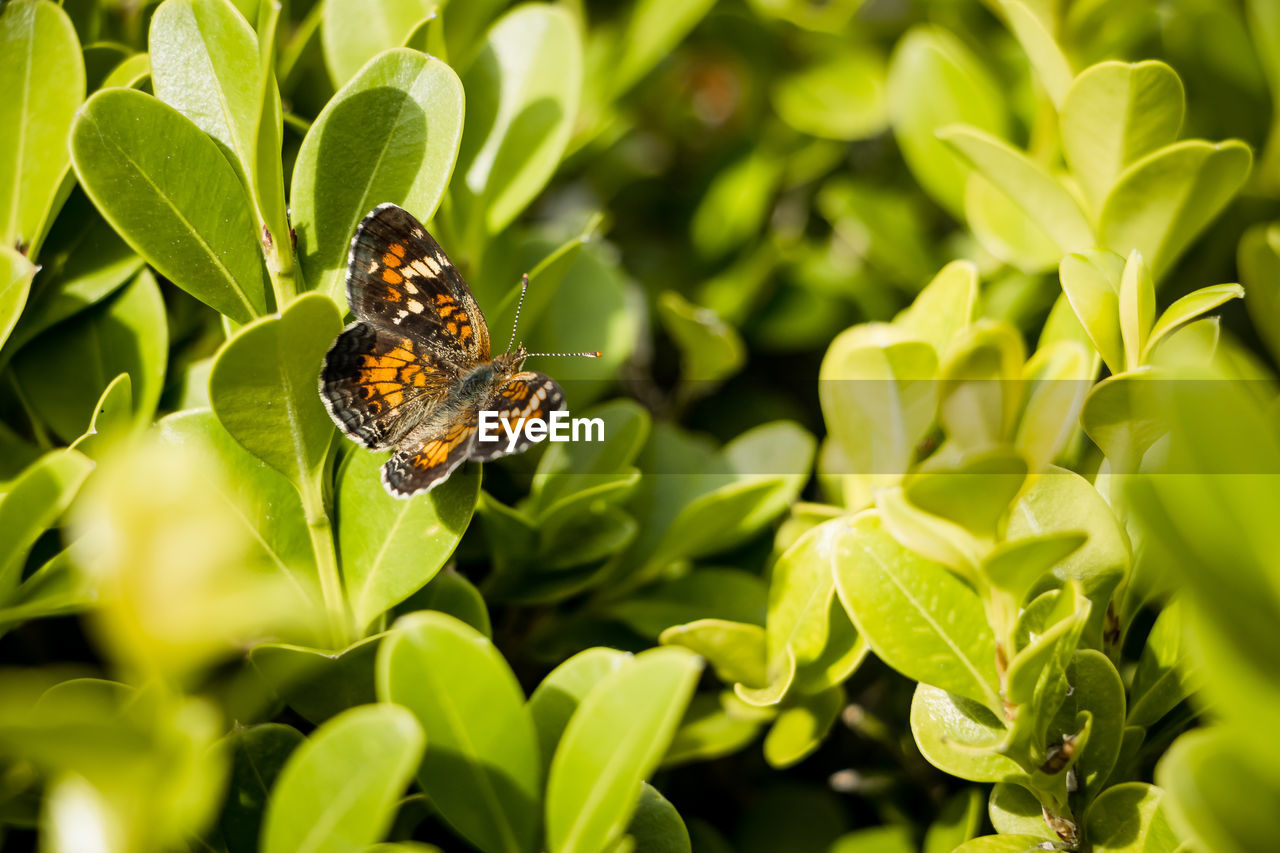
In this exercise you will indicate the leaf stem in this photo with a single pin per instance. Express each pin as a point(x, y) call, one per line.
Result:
point(282, 267)
point(321, 533)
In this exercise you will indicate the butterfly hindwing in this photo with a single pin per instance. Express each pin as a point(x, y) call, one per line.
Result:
point(399, 279)
point(521, 397)
point(377, 385)
point(423, 464)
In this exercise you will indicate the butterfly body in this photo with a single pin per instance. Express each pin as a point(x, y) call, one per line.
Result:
point(414, 370)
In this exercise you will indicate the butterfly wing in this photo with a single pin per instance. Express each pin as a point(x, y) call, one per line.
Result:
point(378, 385)
point(521, 397)
point(425, 463)
point(399, 279)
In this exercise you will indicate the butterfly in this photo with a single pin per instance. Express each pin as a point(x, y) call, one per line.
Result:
point(414, 371)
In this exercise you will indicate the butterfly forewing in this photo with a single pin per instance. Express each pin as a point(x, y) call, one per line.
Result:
point(399, 279)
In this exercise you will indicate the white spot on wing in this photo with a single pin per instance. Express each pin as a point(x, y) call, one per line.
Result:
point(415, 306)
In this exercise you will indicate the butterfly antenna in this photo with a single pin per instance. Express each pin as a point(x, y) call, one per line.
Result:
point(524, 289)
point(595, 354)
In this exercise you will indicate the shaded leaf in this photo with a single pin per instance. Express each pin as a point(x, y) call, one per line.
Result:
point(612, 743)
point(134, 156)
point(482, 768)
point(390, 135)
point(339, 790)
point(42, 76)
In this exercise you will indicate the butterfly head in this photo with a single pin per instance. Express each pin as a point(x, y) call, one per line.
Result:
point(512, 360)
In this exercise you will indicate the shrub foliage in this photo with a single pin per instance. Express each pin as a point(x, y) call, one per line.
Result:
point(937, 504)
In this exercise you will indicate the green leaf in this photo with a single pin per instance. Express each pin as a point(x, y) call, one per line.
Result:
point(975, 493)
point(715, 725)
point(1015, 566)
point(801, 728)
point(712, 593)
point(917, 616)
point(1115, 114)
point(522, 100)
point(1096, 688)
point(354, 31)
point(710, 349)
point(612, 743)
point(944, 308)
point(568, 472)
point(450, 592)
point(725, 505)
point(1061, 501)
point(1137, 309)
point(980, 396)
point(134, 156)
point(85, 261)
point(806, 629)
point(482, 769)
point(42, 76)
point(736, 651)
point(1002, 844)
point(555, 700)
point(1258, 259)
point(57, 588)
point(1212, 790)
point(1123, 417)
point(1091, 283)
point(1165, 199)
point(390, 135)
point(890, 838)
point(1166, 674)
point(16, 273)
point(391, 548)
point(1191, 307)
point(203, 55)
point(32, 504)
point(1002, 227)
point(1014, 810)
point(1057, 378)
point(129, 334)
point(319, 683)
point(1050, 64)
point(265, 502)
point(1040, 194)
point(959, 819)
point(930, 536)
point(1037, 681)
point(129, 74)
point(656, 826)
point(1131, 818)
point(258, 754)
point(112, 419)
point(339, 790)
point(935, 80)
point(878, 398)
point(263, 387)
point(961, 737)
point(838, 97)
